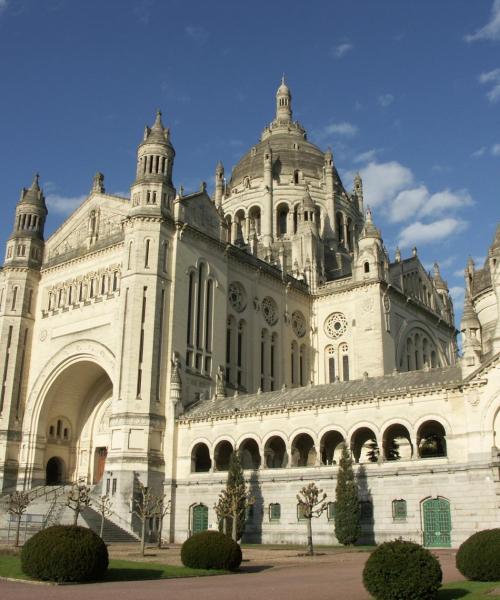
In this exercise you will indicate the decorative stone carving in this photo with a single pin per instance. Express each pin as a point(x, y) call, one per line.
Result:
point(298, 324)
point(270, 310)
point(335, 325)
point(237, 296)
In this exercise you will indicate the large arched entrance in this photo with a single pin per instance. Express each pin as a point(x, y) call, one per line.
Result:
point(54, 471)
point(74, 421)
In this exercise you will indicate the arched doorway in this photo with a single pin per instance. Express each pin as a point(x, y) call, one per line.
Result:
point(54, 471)
point(200, 518)
point(74, 421)
point(436, 519)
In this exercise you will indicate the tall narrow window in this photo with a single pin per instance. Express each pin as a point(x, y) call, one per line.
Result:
point(294, 364)
point(345, 367)
point(208, 317)
point(302, 365)
point(5, 368)
point(146, 254)
point(199, 305)
point(229, 335)
point(239, 365)
point(14, 298)
point(165, 257)
point(330, 363)
point(30, 300)
point(190, 308)
point(129, 259)
point(141, 343)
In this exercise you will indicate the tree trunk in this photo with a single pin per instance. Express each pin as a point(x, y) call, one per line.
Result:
point(75, 517)
point(143, 536)
point(310, 549)
point(160, 529)
point(224, 525)
point(234, 528)
point(102, 525)
point(18, 528)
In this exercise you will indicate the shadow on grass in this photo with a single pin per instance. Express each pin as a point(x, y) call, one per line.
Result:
point(452, 594)
point(253, 568)
point(136, 574)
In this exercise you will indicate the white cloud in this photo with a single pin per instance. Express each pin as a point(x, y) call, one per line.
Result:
point(457, 294)
point(342, 49)
point(407, 203)
point(3, 5)
point(491, 77)
point(426, 233)
point(446, 201)
point(197, 33)
point(336, 129)
point(495, 149)
point(479, 152)
point(491, 31)
point(367, 156)
point(385, 100)
point(64, 205)
point(382, 181)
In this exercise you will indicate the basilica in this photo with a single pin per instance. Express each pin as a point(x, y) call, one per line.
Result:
point(150, 337)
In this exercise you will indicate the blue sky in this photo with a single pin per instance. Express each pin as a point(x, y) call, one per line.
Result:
point(406, 92)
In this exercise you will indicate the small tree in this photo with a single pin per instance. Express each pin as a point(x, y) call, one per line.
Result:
point(312, 504)
point(393, 450)
point(18, 503)
point(162, 510)
point(103, 507)
point(234, 500)
point(78, 499)
point(373, 453)
point(347, 509)
point(145, 507)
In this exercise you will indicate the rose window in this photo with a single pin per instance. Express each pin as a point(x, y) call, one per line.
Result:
point(269, 310)
point(298, 323)
point(237, 297)
point(335, 325)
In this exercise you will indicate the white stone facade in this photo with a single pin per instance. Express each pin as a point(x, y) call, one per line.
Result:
point(149, 337)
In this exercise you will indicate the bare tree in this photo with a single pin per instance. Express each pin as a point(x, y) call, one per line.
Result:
point(78, 499)
point(17, 504)
point(312, 504)
point(145, 507)
point(223, 509)
point(162, 510)
point(103, 507)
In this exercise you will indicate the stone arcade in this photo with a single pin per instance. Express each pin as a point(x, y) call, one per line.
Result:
point(148, 338)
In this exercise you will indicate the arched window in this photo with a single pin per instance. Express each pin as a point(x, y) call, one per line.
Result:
point(200, 459)
point(275, 454)
point(330, 363)
point(431, 440)
point(254, 216)
point(339, 226)
point(344, 357)
point(296, 176)
point(366, 267)
point(282, 219)
point(200, 320)
point(222, 455)
point(303, 451)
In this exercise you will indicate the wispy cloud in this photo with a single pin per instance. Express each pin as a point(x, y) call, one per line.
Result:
point(367, 156)
point(341, 50)
point(419, 202)
point(64, 205)
point(426, 233)
point(479, 152)
point(142, 11)
point(490, 31)
point(337, 129)
point(495, 149)
point(385, 100)
point(492, 78)
point(197, 33)
point(457, 294)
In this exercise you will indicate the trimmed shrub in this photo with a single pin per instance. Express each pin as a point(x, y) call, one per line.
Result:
point(401, 570)
point(65, 553)
point(211, 550)
point(478, 558)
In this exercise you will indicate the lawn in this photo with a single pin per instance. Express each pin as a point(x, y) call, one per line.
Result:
point(118, 570)
point(469, 590)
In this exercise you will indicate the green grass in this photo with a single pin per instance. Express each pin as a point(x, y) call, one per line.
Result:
point(469, 590)
point(119, 570)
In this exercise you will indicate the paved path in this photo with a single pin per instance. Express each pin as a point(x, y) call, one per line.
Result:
point(335, 577)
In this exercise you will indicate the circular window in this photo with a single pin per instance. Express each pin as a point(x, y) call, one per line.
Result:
point(237, 296)
point(269, 310)
point(335, 325)
point(298, 323)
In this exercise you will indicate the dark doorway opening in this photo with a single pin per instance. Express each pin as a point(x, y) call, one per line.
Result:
point(54, 472)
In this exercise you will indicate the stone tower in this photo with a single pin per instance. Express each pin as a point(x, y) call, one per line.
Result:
point(139, 398)
point(23, 260)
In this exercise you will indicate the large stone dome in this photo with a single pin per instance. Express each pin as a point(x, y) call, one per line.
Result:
point(291, 152)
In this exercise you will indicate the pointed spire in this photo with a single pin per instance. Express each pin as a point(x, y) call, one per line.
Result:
point(369, 229)
point(36, 182)
point(158, 122)
point(438, 280)
point(398, 254)
point(283, 103)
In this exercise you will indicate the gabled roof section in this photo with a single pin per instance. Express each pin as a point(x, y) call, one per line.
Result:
point(350, 392)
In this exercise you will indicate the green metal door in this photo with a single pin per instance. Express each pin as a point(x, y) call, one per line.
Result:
point(200, 518)
point(437, 523)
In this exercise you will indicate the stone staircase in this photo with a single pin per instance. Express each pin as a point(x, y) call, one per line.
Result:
point(48, 507)
point(112, 533)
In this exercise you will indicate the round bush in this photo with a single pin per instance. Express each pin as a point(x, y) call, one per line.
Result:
point(211, 550)
point(402, 570)
point(65, 553)
point(478, 558)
